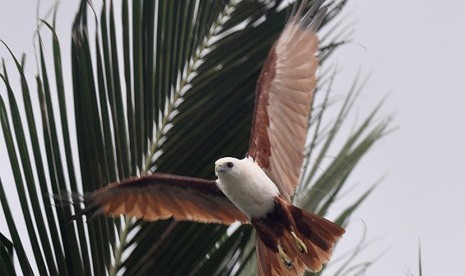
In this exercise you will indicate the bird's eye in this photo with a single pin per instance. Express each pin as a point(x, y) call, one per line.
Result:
point(230, 164)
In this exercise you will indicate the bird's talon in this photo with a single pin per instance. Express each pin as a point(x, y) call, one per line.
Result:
point(284, 258)
point(300, 244)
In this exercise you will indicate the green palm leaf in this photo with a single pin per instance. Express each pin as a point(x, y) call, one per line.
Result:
point(172, 93)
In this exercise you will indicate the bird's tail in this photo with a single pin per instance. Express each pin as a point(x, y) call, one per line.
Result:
point(319, 236)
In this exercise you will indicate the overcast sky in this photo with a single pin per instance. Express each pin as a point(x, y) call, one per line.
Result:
point(414, 52)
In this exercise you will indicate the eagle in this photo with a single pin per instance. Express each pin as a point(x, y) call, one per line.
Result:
point(255, 190)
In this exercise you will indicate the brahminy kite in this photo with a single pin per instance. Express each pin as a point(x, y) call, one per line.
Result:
point(258, 188)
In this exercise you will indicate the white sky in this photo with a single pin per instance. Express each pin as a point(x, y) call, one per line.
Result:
point(414, 53)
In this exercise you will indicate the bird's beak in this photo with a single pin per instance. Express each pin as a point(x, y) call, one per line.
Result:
point(219, 168)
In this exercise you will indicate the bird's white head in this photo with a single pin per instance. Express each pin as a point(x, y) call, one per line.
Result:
point(228, 167)
point(246, 185)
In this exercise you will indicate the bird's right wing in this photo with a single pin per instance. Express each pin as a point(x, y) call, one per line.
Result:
point(162, 196)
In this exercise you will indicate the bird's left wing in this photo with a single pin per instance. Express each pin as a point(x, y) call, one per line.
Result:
point(162, 196)
point(283, 98)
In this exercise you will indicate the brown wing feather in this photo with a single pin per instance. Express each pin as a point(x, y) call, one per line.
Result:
point(283, 98)
point(162, 196)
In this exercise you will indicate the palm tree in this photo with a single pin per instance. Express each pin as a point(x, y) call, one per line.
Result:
point(172, 94)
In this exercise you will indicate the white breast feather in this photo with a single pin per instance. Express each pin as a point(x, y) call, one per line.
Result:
point(248, 187)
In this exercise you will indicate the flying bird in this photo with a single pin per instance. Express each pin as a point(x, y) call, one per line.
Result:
point(255, 190)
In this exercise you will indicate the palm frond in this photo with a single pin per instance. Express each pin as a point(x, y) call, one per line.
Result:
point(6, 256)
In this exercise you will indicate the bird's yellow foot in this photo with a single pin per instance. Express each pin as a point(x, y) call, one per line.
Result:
point(300, 244)
point(286, 260)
